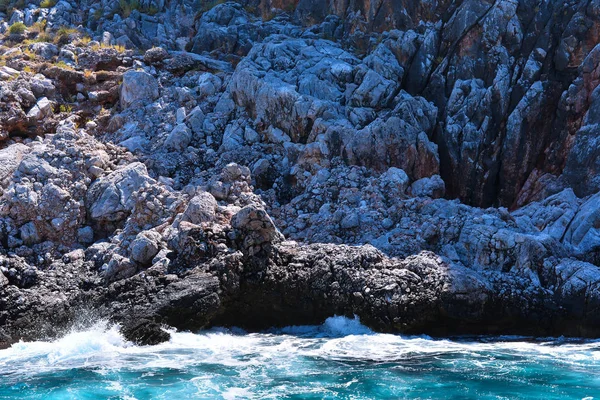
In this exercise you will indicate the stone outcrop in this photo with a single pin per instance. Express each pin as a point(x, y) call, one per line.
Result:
point(429, 167)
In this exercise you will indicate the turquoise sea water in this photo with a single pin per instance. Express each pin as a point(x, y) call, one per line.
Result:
point(340, 359)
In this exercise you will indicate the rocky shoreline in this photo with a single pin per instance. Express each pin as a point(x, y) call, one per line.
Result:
point(269, 163)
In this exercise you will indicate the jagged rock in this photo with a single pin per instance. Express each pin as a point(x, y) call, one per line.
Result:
point(42, 109)
point(583, 231)
point(10, 159)
point(196, 120)
point(354, 125)
point(398, 139)
point(117, 268)
point(582, 169)
point(577, 281)
point(138, 86)
point(29, 233)
point(210, 32)
point(255, 230)
point(111, 197)
point(3, 280)
point(143, 332)
point(145, 246)
point(179, 138)
point(201, 208)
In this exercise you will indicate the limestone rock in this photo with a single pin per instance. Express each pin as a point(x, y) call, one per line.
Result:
point(145, 246)
point(138, 86)
point(201, 208)
point(179, 138)
point(255, 230)
point(111, 197)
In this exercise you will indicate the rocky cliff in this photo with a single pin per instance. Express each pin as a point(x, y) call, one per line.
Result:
point(428, 166)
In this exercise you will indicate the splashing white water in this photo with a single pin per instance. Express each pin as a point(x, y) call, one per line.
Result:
point(292, 352)
point(338, 338)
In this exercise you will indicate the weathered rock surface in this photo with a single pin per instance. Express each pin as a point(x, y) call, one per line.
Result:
point(138, 86)
point(262, 163)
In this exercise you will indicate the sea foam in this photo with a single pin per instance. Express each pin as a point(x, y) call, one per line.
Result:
point(339, 356)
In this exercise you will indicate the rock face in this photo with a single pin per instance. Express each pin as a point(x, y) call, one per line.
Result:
point(429, 166)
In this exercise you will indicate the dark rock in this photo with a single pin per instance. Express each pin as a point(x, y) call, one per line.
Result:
point(144, 332)
point(155, 55)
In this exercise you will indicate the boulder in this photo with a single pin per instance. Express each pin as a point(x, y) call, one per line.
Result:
point(41, 110)
point(255, 230)
point(44, 50)
point(30, 234)
point(433, 187)
point(179, 138)
point(138, 86)
point(110, 198)
point(144, 332)
point(145, 247)
point(155, 55)
point(201, 208)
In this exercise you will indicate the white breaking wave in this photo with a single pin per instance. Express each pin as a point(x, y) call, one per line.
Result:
point(338, 337)
point(281, 351)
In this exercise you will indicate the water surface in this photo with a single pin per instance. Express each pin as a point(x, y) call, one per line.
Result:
point(340, 359)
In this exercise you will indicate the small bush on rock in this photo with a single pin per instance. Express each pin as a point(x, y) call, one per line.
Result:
point(127, 7)
point(65, 35)
point(17, 28)
point(47, 3)
point(204, 6)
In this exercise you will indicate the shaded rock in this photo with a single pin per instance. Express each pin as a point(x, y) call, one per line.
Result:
point(155, 55)
point(143, 332)
point(179, 138)
point(85, 235)
point(433, 187)
point(350, 221)
point(29, 233)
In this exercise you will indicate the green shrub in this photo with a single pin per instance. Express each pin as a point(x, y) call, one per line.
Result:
point(205, 5)
point(127, 7)
point(17, 28)
point(65, 35)
point(98, 14)
point(4, 5)
point(48, 3)
point(65, 108)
